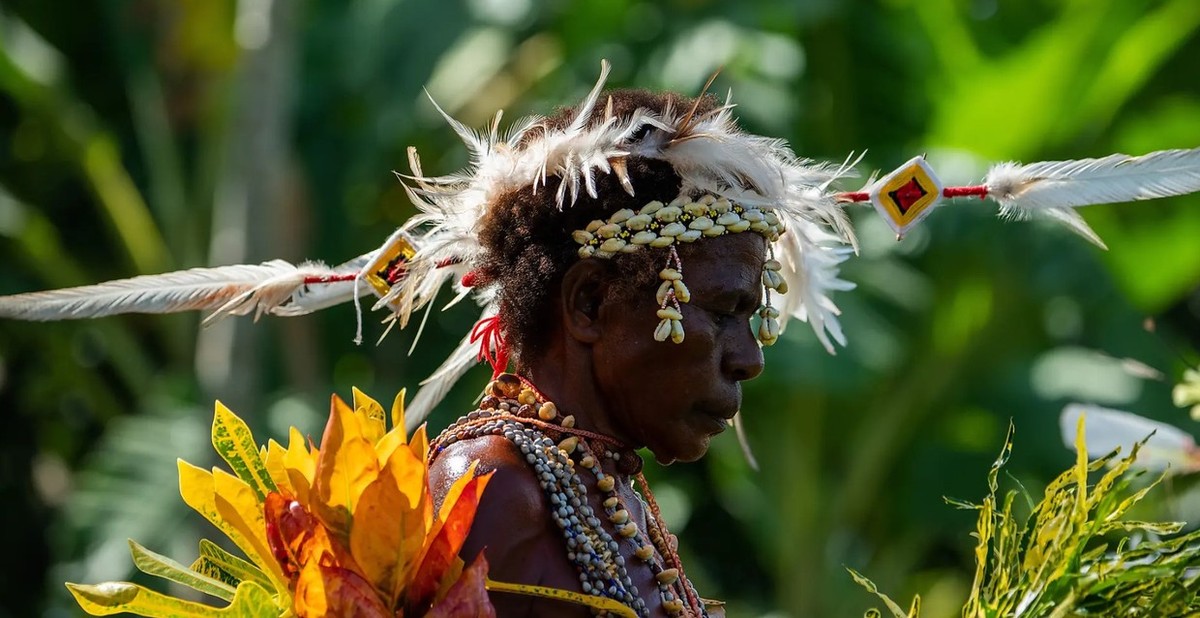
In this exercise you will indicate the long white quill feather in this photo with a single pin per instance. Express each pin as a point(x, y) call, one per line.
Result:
point(1111, 179)
point(276, 287)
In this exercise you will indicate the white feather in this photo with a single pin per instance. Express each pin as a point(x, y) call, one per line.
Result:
point(1054, 186)
point(709, 152)
point(1109, 429)
point(272, 287)
point(434, 388)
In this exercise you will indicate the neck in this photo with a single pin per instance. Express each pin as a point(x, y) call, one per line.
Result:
point(567, 379)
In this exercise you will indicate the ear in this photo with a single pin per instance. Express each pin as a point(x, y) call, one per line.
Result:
point(583, 290)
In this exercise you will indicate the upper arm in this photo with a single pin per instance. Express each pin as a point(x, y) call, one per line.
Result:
point(512, 524)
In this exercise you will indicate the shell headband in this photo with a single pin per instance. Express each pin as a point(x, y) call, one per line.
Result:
point(724, 171)
point(685, 220)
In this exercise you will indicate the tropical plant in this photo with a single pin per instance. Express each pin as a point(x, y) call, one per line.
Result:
point(1076, 554)
point(345, 529)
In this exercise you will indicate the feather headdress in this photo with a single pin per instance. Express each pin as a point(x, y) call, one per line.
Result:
point(711, 155)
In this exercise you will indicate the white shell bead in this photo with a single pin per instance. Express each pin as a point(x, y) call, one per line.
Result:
point(728, 218)
point(689, 236)
point(662, 241)
point(668, 214)
point(669, 313)
point(594, 225)
point(587, 251)
point(701, 223)
point(582, 237)
point(676, 331)
point(662, 331)
point(669, 274)
point(612, 245)
point(638, 222)
point(672, 229)
point(715, 230)
point(608, 231)
point(739, 227)
point(651, 208)
point(643, 238)
point(621, 215)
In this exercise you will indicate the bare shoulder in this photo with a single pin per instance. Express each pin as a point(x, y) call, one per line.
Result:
point(513, 483)
point(512, 525)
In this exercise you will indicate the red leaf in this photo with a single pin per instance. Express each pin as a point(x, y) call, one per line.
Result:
point(348, 595)
point(448, 537)
point(468, 596)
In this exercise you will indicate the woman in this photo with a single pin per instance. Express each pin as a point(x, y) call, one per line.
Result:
point(598, 373)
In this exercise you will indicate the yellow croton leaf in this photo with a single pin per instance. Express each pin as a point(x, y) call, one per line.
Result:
point(300, 463)
point(389, 525)
point(197, 488)
point(274, 460)
point(233, 441)
point(250, 601)
point(397, 437)
point(237, 506)
point(346, 464)
point(398, 412)
point(370, 415)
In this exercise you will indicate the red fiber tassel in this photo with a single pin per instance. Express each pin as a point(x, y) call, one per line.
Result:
point(488, 332)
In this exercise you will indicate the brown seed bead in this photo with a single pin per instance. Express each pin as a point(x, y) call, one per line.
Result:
point(525, 410)
point(667, 576)
point(507, 385)
point(489, 403)
point(606, 483)
point(548, 411)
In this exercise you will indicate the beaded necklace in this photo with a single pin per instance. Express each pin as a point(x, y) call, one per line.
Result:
point(558, 451)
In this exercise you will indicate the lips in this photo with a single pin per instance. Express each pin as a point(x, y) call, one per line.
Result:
point(719, 416)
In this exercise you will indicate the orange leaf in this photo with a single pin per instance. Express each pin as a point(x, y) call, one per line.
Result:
point(346, 464)
point(468, 596)
point(448, 536)
point(348, 594)
point(388, 535)
point(309, 600)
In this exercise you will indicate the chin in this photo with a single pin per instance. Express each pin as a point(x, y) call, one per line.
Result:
point(688, 452)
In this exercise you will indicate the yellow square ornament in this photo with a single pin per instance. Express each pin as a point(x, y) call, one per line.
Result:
point(907, 195)
point(387, 266)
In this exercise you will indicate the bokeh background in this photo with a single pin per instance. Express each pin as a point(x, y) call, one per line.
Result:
point(140, 136)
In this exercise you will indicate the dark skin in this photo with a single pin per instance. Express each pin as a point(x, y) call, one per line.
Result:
point(604, 367)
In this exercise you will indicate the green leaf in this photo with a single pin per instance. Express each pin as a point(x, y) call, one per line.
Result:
point(219, 564)
point(235, 444)
point(250, 601)
point(152, 563)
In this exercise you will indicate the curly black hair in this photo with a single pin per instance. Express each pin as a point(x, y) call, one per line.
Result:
point(527, 238)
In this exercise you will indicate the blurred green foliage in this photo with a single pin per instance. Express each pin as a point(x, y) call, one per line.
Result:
point(145, 135)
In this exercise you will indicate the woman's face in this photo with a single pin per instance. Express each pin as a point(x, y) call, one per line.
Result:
point(674, 397)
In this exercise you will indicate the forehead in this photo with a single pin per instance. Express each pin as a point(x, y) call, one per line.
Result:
point(729, 262)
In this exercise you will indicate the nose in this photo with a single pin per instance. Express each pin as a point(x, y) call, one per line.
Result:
point(743, 357)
